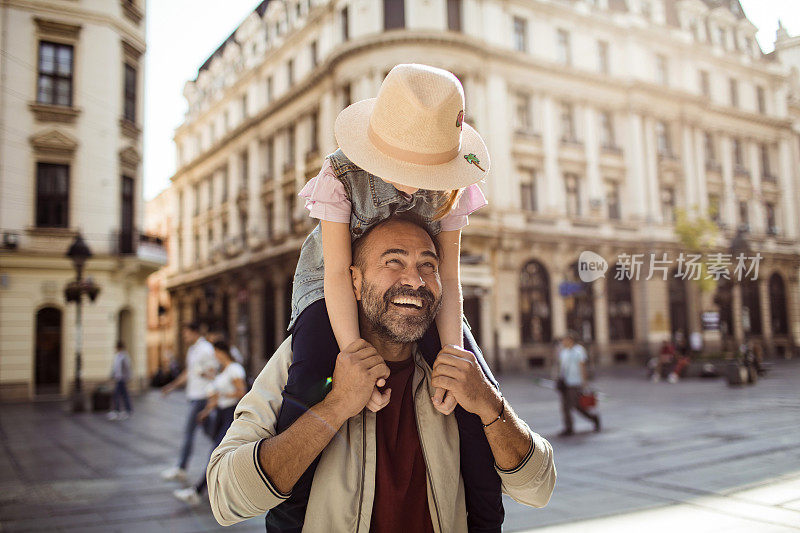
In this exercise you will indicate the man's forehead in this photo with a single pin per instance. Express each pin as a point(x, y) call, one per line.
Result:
point(401, 236)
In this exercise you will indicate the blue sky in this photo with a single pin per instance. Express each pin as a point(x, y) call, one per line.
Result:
point(181, 34)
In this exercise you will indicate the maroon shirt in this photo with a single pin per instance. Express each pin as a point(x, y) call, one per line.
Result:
point(401, 490)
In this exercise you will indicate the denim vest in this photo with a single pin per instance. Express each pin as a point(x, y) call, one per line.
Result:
point(372, 201)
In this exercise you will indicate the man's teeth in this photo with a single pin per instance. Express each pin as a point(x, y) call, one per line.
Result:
point(407, 300)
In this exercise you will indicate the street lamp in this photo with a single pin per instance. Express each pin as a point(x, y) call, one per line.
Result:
point(79, 252)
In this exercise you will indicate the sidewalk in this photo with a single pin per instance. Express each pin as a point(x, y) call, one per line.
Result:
point(697, 456)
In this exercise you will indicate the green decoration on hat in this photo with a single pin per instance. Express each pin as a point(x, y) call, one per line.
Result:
point(473, 159)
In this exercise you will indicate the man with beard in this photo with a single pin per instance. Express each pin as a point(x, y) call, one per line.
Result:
point(397, 469)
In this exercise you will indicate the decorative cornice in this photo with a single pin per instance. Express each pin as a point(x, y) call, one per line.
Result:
point(54, 144)
point(129, 129)
point(57, 30)
point(129, 159)
point(130, 10)
point(131, 52)
point(53, 113)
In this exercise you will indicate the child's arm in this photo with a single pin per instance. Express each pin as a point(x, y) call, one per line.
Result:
point(339, 298)
point(448, 320)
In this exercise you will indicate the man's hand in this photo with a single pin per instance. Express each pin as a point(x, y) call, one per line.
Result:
point(443, 402)
point(357, 371)
point(457, 371)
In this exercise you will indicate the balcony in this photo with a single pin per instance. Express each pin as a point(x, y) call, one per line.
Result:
point(741, 171)
point(141, 245)
point(769, 178)
point(713, 166)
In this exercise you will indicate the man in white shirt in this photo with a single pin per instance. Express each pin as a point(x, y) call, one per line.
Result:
point(201, 367)
point(571, 380)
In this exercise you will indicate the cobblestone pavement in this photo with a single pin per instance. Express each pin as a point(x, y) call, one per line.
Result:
point(696, 456)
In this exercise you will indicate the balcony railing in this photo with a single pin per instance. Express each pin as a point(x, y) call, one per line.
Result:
point(142, 245)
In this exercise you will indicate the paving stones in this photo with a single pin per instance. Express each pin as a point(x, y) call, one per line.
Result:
point(696, 456)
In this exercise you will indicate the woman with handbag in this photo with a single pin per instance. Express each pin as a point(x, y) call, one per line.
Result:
point(572, 379)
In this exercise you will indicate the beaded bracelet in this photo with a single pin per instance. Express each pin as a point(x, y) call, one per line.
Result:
point(502, 411)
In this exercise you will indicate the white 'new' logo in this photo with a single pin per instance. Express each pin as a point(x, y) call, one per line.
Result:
point(591, 266)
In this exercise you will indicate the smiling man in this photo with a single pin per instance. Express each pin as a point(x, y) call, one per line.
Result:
point(400, 466)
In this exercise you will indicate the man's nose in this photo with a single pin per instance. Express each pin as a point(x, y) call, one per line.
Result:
point(412, 278)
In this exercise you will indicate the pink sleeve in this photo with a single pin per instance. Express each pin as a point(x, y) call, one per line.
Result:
point(471, 200)
point(325, 197)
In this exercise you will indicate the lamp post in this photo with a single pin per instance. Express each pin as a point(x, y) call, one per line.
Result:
point(79, 252)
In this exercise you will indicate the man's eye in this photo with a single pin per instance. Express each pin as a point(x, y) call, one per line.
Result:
point(394, 262)
point(428, 267)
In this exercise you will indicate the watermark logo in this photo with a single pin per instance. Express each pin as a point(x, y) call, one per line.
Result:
point(591, 266)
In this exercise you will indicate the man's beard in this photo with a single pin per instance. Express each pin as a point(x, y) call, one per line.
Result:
point(388, 322)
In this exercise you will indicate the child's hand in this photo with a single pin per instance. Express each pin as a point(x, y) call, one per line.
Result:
point(378, 400)
point(443, 401)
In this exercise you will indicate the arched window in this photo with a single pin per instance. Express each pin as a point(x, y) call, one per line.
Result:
point(777, 305)
point(535, 317)
point(48, 350)
point(751, 307)
point(620, 308)
point(579, 303)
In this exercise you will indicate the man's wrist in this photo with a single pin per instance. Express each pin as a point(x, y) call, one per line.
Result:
point(331, 409)
point(493, 408)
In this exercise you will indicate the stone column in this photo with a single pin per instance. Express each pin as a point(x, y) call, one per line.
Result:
point(558, 311)
point(553, 194)
point(791, 224)
point(700, 166)
point(281, 153)
point(652, 191)
point(728, 200)
point(738, 329)
point(594, 180)
point(255, 207)
point(634, 194)
point(601, 329)
point(689, 168)
point(234, 181)
point(766, 315)
point(755, 209)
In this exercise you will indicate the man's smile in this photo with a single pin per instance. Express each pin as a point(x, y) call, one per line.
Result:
point(409, 302)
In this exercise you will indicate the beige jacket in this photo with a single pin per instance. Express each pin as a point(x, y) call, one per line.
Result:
point(343, 488)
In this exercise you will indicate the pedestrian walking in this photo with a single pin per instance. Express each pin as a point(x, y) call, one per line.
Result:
point(224, 393)
point(219, 335)
point(572, 379)
point(120, 373)
point(201, 368)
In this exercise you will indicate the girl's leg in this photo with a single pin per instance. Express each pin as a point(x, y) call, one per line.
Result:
point(314, 351)
point(484, 499)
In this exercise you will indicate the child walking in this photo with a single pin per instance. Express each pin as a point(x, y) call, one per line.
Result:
point(406, 151)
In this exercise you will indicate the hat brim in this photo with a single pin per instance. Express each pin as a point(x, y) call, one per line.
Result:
point(351, 134)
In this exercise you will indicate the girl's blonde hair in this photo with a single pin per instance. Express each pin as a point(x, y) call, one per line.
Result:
point(448, 201)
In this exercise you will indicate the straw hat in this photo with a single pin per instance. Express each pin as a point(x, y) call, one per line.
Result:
point(414, 133)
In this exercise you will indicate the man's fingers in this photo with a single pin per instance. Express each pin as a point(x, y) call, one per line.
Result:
point(438, 396)
point(448, 370)
point(448, 405)
point(450, 359)
point(445, 382)
point(357, 345)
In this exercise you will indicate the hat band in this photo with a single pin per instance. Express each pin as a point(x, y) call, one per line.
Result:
point(409, 156)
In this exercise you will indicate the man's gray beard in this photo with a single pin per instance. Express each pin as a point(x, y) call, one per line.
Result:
point(394, 327)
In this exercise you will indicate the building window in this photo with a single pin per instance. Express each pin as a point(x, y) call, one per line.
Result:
point(664, 146)
point(454, 15)
point(563, 51)
point(55, 74)
point(347, 98)
point(130, 94)
point(394, 14)
point(535, 316)
point(766, 173)
point(522, 113)
point(290, 212)
point(612, 201)
point(734, 90)
point(715, 208)
point(722, 36)
point(196, 198)
point(196, 247)
point(269, 89)
point(705, 84)
point(224, 184)
point(528, 191)
point(243, 104)
point(778, 305)
point(268, 218)
point(607, 139)
point(344, 18)
point(603, 64)
point(210, 239)
point(620, 308)
point(520, 34)
point(290, 72)
point(761, 100)
point(572, 185)
point(711, 154)
point(314, 53)
point(738, 155)
point(210, 189)
point(313, 142)
point(769, 211)
point(224, 229)
point(567, 123)
point(289, 148)
point(52, 195)
point(668, 204)
point(744, 216)
point(244, 170)
point(270, 163)
point(662, 70)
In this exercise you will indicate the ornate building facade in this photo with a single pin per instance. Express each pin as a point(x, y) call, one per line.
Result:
point(603, 117)
point(70, 152)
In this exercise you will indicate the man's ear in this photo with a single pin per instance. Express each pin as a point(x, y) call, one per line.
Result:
point(357, 277)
